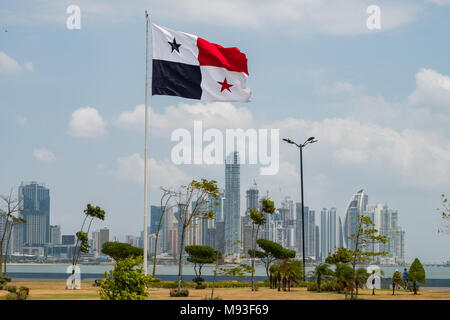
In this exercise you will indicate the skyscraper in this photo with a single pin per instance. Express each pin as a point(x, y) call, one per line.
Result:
point(166, 232)
point(155, 216)
point(311, 242)
point(55, 234)
point(328, 228)
point(323, 234)
point(356, 206)
point(35, 209)
point(252, 195)
point(252, 198)
point(232, 216)
point(386, 222)
point(100, 237)
point(288, 217)
point(340, 234)
point(310, 224)
point(331, 231)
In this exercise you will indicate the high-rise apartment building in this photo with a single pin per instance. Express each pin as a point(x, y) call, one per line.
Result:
point(356, 206)
point(232, 204)
point(155, 216)
point(35, 209)
point(55, 234)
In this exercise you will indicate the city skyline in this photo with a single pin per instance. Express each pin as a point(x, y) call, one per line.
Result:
point(377, 101)
point(283, 227)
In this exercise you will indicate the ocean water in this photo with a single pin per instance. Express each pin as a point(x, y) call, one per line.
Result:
point(44, 270)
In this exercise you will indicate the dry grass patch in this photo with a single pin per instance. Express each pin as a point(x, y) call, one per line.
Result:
point(55, 290)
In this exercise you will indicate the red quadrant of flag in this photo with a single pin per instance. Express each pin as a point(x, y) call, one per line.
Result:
point(211, 54)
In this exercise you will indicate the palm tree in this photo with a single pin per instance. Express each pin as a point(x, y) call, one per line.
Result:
point(321, 272)
point(360, 278)
point(294, 272)
point(273, 271)
point(291, 271)
point(344, 276)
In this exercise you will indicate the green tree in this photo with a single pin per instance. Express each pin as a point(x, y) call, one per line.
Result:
point(126, 281)
point(291, 272)
point(416, 274)
point(274, 276)
point(341, 255)
point(258, 219)
point(197, 193)
point(119, 250)
point(82, 243)
point(360, 278)
point(8, 219)
point(344, 276)
point(396, 280)
point(360, 241)
point(165, 205)
point(284, 258)
point(271, 250)
point(322, 272)
point(199, 256)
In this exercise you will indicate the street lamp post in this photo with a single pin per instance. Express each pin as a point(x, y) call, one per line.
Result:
point(301, 146)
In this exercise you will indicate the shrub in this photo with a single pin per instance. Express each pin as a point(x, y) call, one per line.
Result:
point(331, 285)
point(11, 289)
point(126, 281)
point(198, 280)
point(23, 292)
point(182, 293)
point(312, 286)
point(200, 286)
point(303, 284)
point(11, 296)
point(4, 280)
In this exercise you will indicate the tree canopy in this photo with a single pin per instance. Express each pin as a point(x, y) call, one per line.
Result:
point(119, 250)
point(126, 281)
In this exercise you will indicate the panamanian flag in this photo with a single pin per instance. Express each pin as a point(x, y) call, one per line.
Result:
point(188, 66)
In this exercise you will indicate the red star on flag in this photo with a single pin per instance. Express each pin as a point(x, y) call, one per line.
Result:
point(225, 85)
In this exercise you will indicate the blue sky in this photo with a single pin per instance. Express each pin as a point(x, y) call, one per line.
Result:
point(378, 101)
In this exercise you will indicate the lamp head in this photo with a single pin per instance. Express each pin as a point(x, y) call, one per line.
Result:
point(289, 141)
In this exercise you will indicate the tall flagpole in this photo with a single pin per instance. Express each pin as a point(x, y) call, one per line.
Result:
point(146, 149)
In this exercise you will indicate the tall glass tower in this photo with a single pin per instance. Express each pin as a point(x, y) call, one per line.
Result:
point(35, 209)
point(232, 216)
point(355, 207)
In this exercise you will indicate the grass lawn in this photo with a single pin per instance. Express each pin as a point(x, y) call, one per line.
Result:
point(55, 290)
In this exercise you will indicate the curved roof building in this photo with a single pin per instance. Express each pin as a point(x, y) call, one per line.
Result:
point(356, 206)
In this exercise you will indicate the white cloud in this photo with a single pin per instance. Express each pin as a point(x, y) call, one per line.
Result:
point(9, 65)
point(440, 2)
point(44, 155)
point(304, 16)
point(86, 122)
point(432, 88)
point(326, 16)
point(219, 115)
point(161, 173)
point(413, 156)
point(341, 87)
